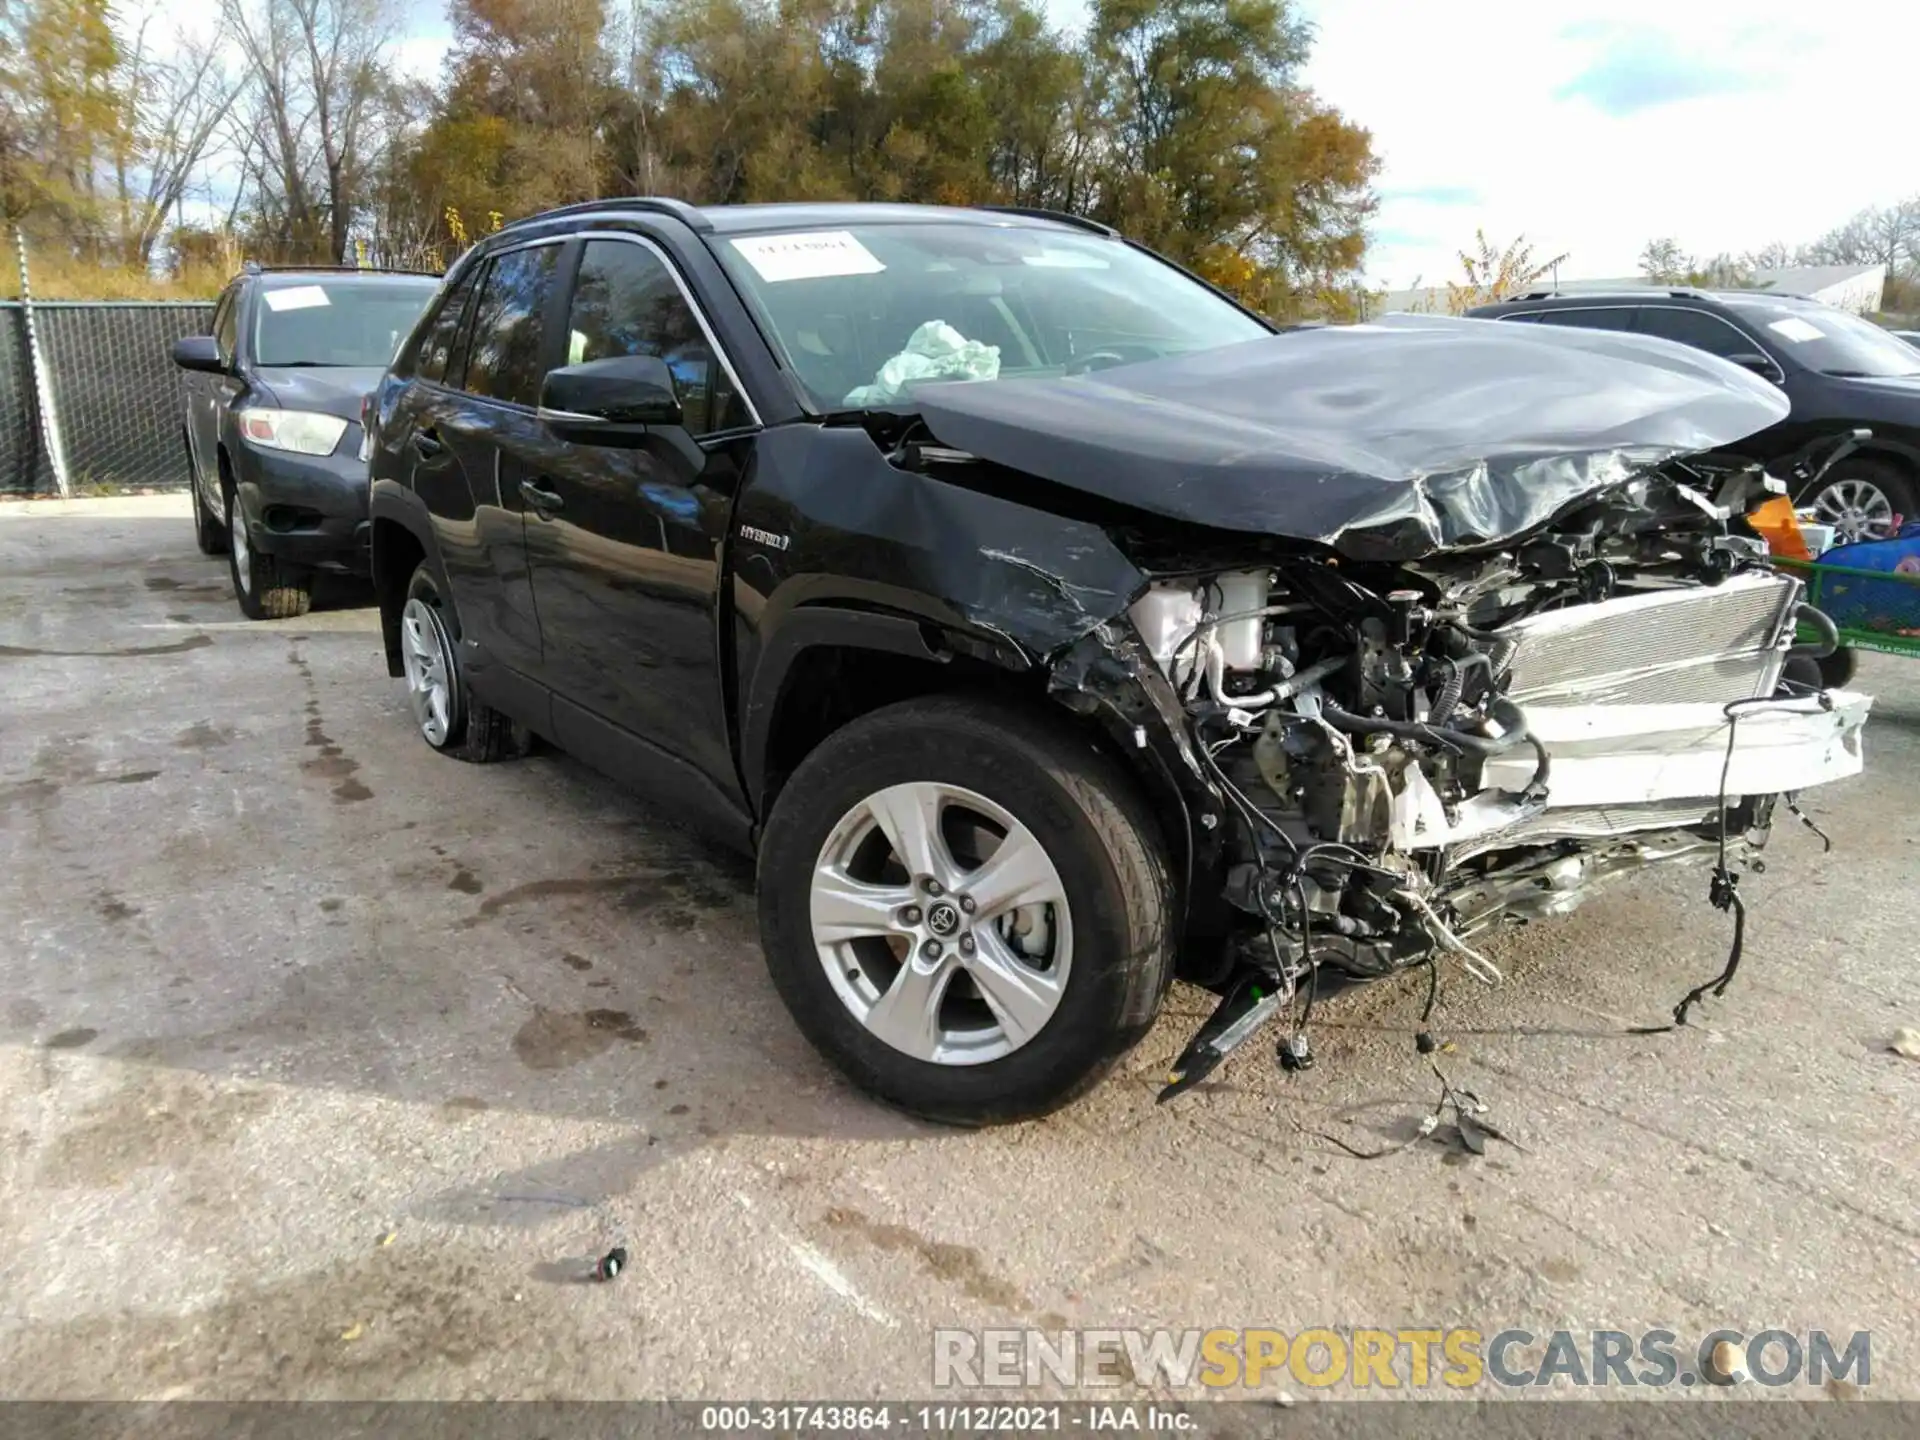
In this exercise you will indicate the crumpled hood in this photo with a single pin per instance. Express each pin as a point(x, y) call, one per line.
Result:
point(323, 389)
point(1386, 441)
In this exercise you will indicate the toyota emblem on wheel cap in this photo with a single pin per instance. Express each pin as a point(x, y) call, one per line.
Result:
point(943, 919)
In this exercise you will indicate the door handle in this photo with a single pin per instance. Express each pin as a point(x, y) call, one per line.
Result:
point(427, 444)
point(540, 500)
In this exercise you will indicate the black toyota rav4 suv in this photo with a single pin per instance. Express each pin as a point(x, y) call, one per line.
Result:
point(1049, 625)
point(272, 423)
point(1839, 373)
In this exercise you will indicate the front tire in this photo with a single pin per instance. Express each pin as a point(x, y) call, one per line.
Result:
point(267, 588)
point(449, 718)
point(967, 908)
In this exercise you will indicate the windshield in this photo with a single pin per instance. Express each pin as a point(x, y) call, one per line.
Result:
point(865, 315)
point(356, 322)
point(1832, 341)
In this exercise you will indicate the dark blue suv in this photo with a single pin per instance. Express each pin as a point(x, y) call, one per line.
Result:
point(272, 423)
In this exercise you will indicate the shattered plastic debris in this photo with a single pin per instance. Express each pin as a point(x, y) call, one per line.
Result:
point(1469, 1131)
point(1726, 1363)
point(611, 1264)
point(936, 351)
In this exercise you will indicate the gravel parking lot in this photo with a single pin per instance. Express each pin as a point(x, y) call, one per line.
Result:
point(327, 1064)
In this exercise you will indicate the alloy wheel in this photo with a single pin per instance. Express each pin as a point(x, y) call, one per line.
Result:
point(429, 670)
point(942, 922)
point(1857, 510)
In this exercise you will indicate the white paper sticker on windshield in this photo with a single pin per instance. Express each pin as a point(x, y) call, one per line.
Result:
point(812, 255)
point(299, 297)
point(1064, 260)
point(1794, 328)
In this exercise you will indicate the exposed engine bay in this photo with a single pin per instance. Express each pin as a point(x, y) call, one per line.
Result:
point(1414, 752)
point(1432, 624)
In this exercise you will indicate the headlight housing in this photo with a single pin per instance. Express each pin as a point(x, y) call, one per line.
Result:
point(301, 431)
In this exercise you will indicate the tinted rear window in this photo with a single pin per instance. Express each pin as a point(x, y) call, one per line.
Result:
point(507, 350)
point(1698, 329)
point(1612, 317)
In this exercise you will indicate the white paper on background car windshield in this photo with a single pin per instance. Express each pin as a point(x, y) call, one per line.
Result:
point(1794, 328)
point(811, 255)
point(299, 297)
point(1064, 260)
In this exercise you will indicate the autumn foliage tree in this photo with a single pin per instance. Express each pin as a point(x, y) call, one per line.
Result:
point(1492, 272)
point(1184, 123)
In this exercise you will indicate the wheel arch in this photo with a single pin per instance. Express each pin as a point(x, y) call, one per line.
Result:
point(828, 664)
point(401, 539)
point(1899, 453)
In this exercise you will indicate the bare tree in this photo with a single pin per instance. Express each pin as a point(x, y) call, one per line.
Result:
point(315, 84)
point(1886, 235)
point(174, 102)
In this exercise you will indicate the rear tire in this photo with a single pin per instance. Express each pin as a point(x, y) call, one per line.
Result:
point(1098, 851)
point(267, 588)
point(449, 719)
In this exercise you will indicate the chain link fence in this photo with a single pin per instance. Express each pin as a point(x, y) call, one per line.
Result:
point(114, 388)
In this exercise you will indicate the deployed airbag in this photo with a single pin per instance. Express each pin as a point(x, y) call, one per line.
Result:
point(935, 351)
point(1387, 440)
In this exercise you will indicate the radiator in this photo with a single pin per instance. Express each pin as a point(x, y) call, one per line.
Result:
point(1701, 643)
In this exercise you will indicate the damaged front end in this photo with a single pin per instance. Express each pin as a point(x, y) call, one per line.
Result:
point(1407, 755)
point(1488, 635)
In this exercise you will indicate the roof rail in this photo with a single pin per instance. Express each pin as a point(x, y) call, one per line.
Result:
point(1064, 217)
point(680, 210)
point(254, 267)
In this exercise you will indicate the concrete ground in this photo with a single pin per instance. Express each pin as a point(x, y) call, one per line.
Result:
point(327, 1064)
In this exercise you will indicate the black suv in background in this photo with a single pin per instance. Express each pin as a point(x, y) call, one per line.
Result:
point(272, 425)
point(1839, 372)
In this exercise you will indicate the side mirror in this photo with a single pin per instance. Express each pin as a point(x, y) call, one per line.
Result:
point(1760, 364)
point(607, 399)
point(199, 352)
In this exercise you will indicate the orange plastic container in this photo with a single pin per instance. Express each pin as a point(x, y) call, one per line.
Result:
point(1775, 523)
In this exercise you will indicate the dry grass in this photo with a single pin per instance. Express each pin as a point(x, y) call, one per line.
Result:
point(63, 277)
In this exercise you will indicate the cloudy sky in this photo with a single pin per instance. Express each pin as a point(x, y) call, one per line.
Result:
point(1592, 127)
point(1588, 125)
